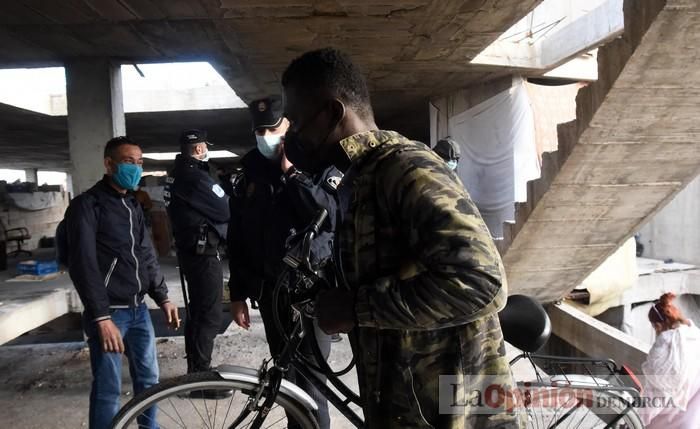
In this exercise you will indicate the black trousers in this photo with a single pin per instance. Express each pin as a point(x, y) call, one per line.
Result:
point(276, 343)
point(205, 282)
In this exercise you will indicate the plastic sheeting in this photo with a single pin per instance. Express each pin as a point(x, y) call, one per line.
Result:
point(499, 154)
point(552, 105)
point(608, 283)
point(33, 201)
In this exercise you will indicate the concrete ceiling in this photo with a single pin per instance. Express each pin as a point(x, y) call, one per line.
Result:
point(30, 140)
point(410, 50)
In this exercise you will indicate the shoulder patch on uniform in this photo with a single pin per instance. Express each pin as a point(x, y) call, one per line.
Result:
point(170, 179)
point(333, 181)
point(218, 190)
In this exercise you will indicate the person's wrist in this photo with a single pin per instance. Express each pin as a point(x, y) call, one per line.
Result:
point(104, 325)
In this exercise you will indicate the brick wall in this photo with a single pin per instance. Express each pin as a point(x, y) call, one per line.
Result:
point(41, 223)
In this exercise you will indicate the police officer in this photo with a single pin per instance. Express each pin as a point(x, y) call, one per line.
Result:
point(270, 197)
point(448, 150)
point(199, 213)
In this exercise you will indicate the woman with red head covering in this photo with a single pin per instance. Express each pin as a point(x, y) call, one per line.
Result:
point(672, 369)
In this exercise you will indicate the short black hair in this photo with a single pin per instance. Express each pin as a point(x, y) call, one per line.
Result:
point(113, 144)
point(332, 70)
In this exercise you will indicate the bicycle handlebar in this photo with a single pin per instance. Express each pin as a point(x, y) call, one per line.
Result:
point(318, 221)
point(310, 235)
point(299, 256)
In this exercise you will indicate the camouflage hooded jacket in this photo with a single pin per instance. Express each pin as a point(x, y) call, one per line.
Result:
point(428, 279)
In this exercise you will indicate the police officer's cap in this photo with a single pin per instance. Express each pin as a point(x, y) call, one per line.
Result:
point(266, 112)
point(448, 149)
point(193, 136)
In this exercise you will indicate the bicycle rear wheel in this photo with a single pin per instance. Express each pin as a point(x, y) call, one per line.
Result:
point(180, 403)
point(577, 408)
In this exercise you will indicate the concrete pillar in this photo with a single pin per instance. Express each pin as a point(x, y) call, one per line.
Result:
point(95, 115)
point(69, 185)
point(32, 175)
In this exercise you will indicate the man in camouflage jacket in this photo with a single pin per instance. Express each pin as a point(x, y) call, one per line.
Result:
point(424, 279)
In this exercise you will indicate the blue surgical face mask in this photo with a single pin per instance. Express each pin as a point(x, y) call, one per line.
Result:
point(268, 144)
point(452, 164)
point(127, 176)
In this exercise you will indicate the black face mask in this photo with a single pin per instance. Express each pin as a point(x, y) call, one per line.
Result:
point(293, 150)
point(299, 151)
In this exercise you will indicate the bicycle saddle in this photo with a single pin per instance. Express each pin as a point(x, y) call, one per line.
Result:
point(525, 323)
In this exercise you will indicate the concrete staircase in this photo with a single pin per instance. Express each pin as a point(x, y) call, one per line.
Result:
point(634, 145)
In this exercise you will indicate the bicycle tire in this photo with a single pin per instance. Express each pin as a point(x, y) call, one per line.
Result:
point(178, 387)
point(606, 406)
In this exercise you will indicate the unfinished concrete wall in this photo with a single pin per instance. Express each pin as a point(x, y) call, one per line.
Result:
point(40, 223)
point(674, 233)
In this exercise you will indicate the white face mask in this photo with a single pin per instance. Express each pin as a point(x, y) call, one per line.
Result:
point(205, 158)
point(452, 164)
point(267, 145)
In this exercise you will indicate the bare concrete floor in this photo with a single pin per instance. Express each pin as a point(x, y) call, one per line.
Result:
point(48, 386)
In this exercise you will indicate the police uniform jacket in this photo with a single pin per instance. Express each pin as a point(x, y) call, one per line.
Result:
point(266, 205)
point(193, 198)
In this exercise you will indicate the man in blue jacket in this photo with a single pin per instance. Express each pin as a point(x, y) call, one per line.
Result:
point(198, 209)
point(113, 266)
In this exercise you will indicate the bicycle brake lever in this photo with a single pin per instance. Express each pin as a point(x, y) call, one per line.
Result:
point(293, 261)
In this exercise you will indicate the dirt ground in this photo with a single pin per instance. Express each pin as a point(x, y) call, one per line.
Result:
point(48, 385)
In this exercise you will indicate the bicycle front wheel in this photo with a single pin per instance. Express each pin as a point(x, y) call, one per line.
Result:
point(577, 408)
point(207, 400)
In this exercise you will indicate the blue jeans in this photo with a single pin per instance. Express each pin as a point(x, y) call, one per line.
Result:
point(139, 340)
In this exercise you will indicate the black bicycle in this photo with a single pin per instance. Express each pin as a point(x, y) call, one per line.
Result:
point(597, 395)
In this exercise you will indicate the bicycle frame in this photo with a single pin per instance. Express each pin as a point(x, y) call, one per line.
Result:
point(271, 380)
point(298, 259)
point(303, 292)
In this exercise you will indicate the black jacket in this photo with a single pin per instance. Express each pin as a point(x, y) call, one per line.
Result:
point(265, 206)
point(110, 255)
point(193, 198)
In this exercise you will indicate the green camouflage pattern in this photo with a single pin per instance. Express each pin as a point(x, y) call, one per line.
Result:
point(429, 284)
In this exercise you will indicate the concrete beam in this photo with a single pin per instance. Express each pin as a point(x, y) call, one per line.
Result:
point(582, 68)
point(32, 175)
point(18, 317)
point(595, 338)
point(591, 30)
point(579, 36)
point(650, 287)
point(95, 115)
